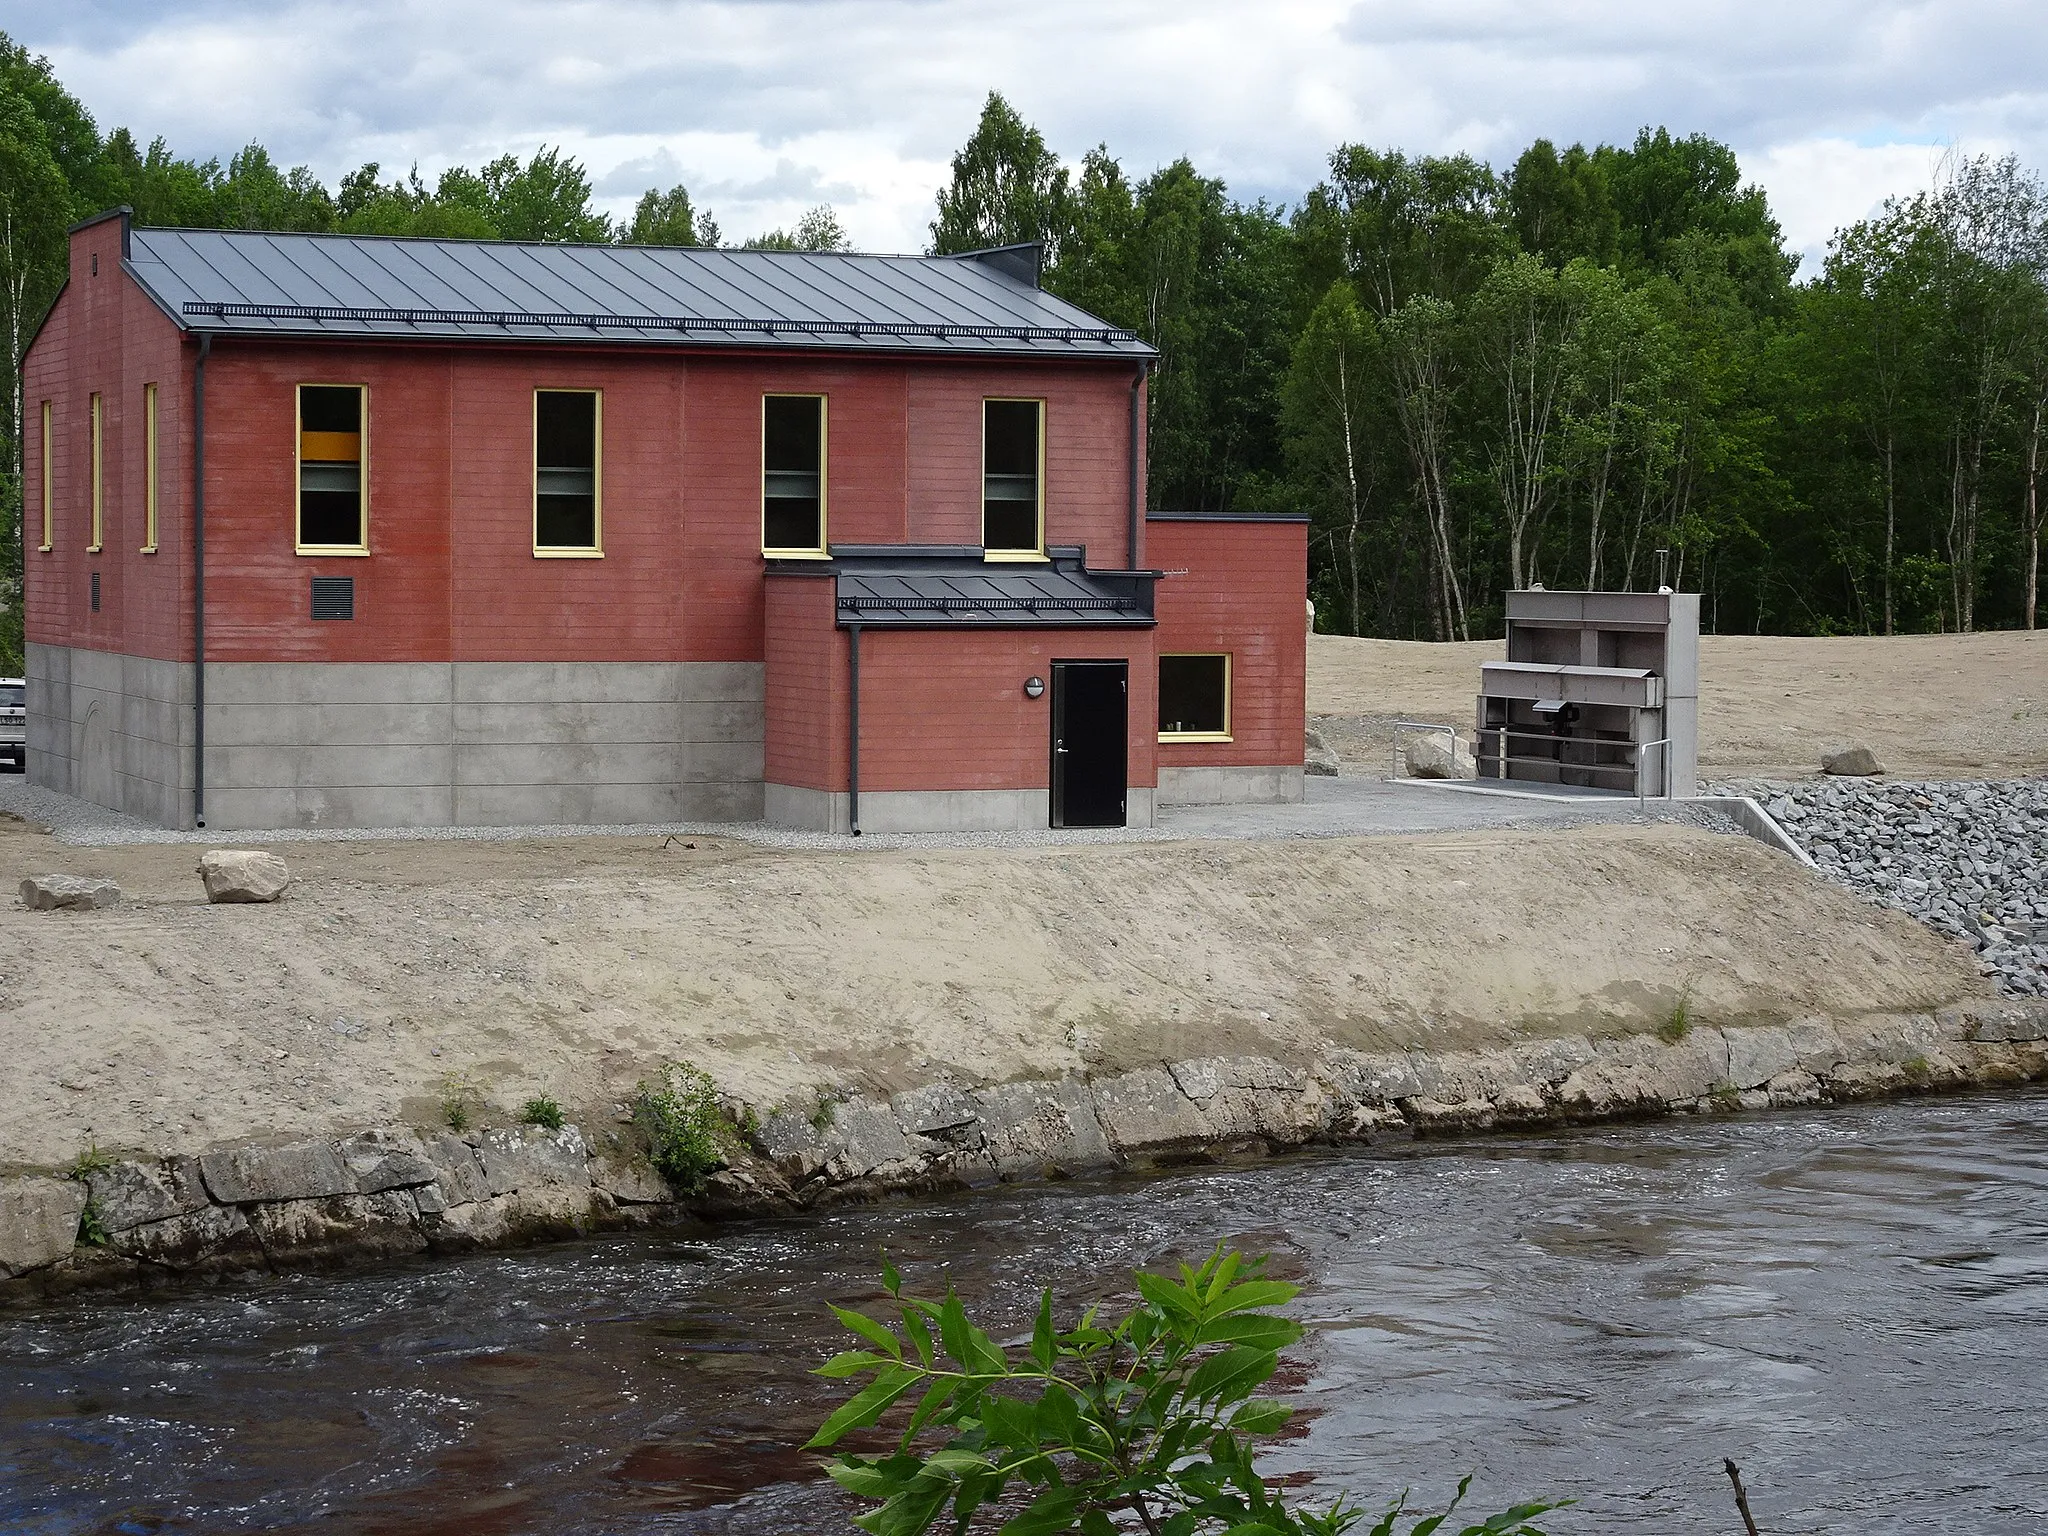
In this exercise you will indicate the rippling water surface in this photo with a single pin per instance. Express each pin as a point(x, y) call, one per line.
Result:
point(1853, 1304)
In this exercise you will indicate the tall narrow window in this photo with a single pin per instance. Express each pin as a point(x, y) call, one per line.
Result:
point(793, 474)
point(1194, 698)
point(149, 469)
point(97, 503)
point(1012, 466)
point(49, 513)
point(568, 455)
point(332, 507)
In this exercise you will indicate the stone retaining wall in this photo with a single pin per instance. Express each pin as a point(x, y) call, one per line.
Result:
point(255, 1207)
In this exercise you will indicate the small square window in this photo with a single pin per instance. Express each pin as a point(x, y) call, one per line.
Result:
point(331, 468)
point(567, 453)
point(793, 474)
point(1194, 698)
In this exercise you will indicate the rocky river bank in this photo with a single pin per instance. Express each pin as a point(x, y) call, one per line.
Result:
point(384, 1192)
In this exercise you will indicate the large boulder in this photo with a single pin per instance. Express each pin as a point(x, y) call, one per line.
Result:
point(299, 1170)
point(1318, 756)
point(38, 1222)
point(48, 893)
point(1439, 755)
point(521, 1157)
point(133, 1194)
point(243, 874)
point(1851, 763)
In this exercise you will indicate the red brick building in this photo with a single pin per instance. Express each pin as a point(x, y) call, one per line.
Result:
point(326, 530)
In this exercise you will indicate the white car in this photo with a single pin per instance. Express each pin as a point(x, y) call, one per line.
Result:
point(13, 723)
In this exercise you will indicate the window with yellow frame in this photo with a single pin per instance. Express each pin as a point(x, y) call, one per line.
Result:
point(149, 469)
point(333, 515)
point(568, 473)
point(793, 476)
point(1194, 696)
point(49, 509)
point(1013, 479)
point(98, 499)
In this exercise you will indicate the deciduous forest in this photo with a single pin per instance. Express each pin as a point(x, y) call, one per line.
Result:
point(1582, 369)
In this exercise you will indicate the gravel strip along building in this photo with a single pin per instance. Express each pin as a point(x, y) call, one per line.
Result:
point(339, 531)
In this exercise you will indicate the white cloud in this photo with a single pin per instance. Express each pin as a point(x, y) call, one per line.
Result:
point(761, 106)
point(1821, 185)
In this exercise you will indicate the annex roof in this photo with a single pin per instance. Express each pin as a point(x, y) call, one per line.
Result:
point(943, 587)
point(258, 283)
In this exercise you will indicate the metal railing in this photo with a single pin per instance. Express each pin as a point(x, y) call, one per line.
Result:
point(1422, 725)
point(1631, 752)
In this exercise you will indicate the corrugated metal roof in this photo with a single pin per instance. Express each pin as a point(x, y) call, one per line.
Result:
point(947, 588)
point(265, 284)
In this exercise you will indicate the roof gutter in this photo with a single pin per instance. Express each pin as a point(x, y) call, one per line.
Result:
point(199, 581)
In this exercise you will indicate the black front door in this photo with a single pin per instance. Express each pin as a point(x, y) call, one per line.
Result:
point(1089, 723)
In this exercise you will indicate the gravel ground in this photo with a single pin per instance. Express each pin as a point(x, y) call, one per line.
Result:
point(83, 824)
point(1969, 858)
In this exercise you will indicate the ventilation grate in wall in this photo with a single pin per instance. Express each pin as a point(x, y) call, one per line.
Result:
point(95, 591)
point(334, 597)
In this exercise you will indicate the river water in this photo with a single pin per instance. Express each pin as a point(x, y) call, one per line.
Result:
point(1851, 1303)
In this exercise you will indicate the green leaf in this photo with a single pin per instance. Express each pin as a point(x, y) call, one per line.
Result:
point(1044, 1346)
point(872, 1331)
point(936, 1398)
point(1255, 1528)
point(851, 1363)
point(864, 1407)
point(1011, 1423)
point(1168, 1298)
point(1261, 1416)
point(1262, 1329)
point(891, 1281)
point(954, 1329)
point(1231, 1375)
point(909, 1513)
point(1057, 1416)
point(872, 1479)
point(1050, 1514)
point(1219, 1272)
point(919, 1334)
point(953, 1464)
point(1252, 1294)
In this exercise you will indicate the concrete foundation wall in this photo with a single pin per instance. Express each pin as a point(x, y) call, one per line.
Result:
point(112, 729)
point(1277, 785)
point(404, 744)
point(931, 810)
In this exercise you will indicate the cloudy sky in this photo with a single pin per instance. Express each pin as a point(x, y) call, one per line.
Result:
point(764, 107)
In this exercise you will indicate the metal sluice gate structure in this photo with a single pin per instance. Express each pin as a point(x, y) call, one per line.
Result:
point(1599, 691)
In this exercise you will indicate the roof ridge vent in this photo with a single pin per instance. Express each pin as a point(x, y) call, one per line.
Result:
point(1023, 261)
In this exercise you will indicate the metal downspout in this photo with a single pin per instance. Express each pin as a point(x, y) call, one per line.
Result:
point(853, 730)
point(199, 582)
point(1131, 542)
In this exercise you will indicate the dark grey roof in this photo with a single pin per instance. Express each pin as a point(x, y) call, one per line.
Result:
point(263, 284)
point(952, 588)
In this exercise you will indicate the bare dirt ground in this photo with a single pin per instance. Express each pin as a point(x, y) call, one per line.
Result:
point(574, 967)
point(1930, 706)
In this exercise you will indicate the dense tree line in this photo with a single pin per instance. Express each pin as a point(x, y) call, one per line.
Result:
point(1593, 368)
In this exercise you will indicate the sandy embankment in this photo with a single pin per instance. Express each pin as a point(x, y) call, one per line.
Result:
point(1931, 706)
point(571, 968)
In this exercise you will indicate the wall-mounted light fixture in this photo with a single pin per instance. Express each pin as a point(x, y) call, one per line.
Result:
point(1033, 687)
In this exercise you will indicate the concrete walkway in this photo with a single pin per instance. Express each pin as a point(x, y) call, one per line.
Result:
point(1334, 807)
